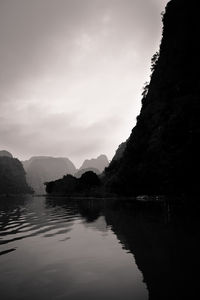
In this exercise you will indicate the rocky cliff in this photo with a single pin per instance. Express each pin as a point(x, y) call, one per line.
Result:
point(162, 153)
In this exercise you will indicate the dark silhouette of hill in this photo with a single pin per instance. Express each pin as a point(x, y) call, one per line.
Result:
point(120, 151)
point(72, 186)
point(44, 168)
point(80, 172)
point(84, 182)
point(100, 163)
point(12, 175)
point(162, 153)
point(118, 155)
point(5, 153)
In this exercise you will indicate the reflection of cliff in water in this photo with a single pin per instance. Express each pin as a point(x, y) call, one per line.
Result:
point(164, 243)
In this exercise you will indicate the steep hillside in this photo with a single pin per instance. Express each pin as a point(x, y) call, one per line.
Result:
point(12, 176)
point(120, 151)
point(162, 153)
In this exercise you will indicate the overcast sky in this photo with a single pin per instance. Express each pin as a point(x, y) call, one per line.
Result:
point(72, 73)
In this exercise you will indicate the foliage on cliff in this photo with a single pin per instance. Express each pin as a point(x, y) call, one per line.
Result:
point(162, 153)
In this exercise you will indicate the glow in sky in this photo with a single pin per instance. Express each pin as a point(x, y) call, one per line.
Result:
point(72, 73)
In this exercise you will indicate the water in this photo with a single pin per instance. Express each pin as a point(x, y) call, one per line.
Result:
point(96, 249)
point(51, 250)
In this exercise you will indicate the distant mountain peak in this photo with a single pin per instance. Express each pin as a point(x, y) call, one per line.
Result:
point(100, 163)
point(40, 169)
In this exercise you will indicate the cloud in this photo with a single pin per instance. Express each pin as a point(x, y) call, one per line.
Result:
point(72, 73)
point(59, 135)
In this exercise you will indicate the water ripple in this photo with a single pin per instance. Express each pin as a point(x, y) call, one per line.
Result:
point(34, 219)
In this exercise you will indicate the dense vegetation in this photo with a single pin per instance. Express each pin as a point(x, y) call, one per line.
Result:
point(72, 186)
point(162, 153)
point(12, 177)
point(80, 172)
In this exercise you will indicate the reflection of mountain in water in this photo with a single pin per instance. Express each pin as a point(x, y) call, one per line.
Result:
point(163, 238)
point(164, 244)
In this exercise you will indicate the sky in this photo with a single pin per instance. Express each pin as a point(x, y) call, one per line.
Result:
point(72, 73)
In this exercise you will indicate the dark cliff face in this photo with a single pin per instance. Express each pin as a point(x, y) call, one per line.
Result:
point(162, 153)
point(12, 177)
point(120, 151)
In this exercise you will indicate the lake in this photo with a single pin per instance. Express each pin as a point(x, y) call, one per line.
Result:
point(59, 248)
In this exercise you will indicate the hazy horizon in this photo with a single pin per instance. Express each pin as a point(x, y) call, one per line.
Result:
point(72, 74)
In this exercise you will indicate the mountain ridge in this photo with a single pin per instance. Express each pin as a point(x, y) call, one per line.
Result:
point(40, 169)
point(162, 153)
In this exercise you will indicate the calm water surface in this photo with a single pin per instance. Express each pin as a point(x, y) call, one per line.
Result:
point(59, 249)
point(98, 249)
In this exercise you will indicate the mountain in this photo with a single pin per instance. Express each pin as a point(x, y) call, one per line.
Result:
point(162, 153)
point(120, 151)
point(100, 163)
point(5, 153)
point(45, 168)
point(80, 172)
point(12, 175)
